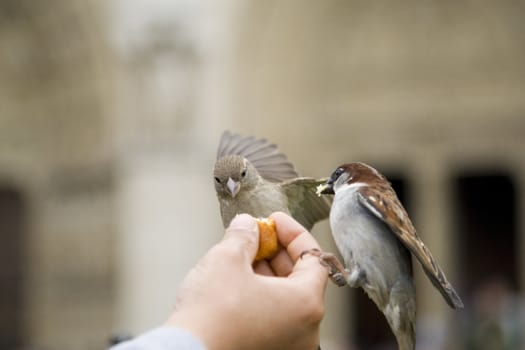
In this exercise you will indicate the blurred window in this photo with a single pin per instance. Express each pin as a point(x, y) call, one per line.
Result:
point(486, 227)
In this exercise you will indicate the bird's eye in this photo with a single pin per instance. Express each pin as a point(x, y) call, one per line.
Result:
point(217, 180)
point(243, 174)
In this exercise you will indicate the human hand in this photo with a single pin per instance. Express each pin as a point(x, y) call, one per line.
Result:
point(278, 304)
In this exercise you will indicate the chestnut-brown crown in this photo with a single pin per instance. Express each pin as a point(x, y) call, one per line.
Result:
point(360, 172)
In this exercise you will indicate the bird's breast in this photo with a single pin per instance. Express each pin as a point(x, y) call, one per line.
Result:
point(363, 238)
point(258, 202)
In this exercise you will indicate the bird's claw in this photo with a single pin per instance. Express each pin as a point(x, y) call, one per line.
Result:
point(338, 279)
point(336, 271)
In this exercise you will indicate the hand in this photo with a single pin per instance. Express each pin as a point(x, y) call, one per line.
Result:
point(230, 304)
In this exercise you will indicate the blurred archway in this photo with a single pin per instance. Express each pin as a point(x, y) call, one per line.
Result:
point(12, 238)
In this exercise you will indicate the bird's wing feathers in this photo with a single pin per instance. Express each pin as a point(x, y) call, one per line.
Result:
point(227, 142)
point(271, 164)
point(380, 203)
point(304, 204)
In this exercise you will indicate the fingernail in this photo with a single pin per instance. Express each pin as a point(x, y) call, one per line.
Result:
point(243, 222)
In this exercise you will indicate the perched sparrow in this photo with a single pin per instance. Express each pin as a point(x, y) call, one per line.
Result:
point(252, 176)
point(375, 237)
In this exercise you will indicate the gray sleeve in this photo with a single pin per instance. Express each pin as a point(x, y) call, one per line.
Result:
point(162, 338)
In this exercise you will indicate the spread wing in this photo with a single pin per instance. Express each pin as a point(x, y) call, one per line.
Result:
point(383, 203)
point(304, 204)
point(271, 164)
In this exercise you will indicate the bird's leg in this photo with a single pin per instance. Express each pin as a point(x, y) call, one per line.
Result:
point(336, 271)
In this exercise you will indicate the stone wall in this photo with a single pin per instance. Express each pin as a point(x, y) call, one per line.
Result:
point(54, 152)
point(110, 113)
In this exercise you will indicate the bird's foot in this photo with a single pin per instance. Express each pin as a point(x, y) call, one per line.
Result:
point(336, 271)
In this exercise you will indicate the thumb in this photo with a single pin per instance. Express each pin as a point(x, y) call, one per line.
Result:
point(243, 234)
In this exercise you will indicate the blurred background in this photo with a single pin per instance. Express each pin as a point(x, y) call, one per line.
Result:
point(111, 111)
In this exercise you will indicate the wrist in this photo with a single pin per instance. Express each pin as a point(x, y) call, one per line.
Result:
point(211, 331)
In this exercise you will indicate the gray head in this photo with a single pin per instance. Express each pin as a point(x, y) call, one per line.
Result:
point(232, 174)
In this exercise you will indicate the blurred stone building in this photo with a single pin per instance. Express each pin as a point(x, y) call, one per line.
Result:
point(110, 113)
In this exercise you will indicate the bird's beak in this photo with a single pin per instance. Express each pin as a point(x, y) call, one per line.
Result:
point(326, 188)
point(233, 187)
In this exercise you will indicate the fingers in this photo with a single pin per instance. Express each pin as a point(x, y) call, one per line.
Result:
point(287, 228)
point(263, 268)
point(292, 235)
point(282, 264)
point(296, 239)
point(242, 236)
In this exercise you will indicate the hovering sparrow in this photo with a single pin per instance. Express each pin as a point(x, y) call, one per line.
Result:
point(252, 176)
point(375, 237)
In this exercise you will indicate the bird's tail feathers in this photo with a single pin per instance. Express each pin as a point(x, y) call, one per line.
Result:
point(400, 312)
point(445, 288)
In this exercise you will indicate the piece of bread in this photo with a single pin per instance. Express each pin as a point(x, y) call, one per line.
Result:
point(268, 243)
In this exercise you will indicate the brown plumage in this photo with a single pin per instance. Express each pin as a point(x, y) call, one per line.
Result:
point(375, 236)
